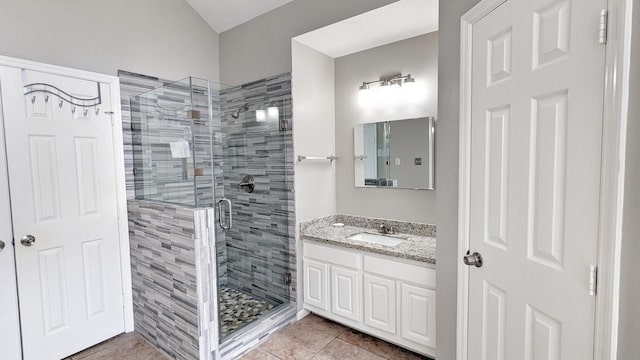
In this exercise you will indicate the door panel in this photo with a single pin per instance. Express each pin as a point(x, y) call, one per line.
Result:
point(418, 309)
point(63, 192)
point(345, 291)
point(316, 284)
point(548, 139)
point(536, 128)
point(494, 302)
point(380, 303)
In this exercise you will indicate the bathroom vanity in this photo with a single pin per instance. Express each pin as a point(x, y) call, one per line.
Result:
point(383, 284)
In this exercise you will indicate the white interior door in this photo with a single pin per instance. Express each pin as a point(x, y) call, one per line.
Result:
point(536, 129)
point(63, 192)
point(10, 328)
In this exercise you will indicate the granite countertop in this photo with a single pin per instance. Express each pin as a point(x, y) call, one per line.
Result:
point(420, 243)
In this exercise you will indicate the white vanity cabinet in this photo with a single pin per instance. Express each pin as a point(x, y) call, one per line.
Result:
point(387, 297)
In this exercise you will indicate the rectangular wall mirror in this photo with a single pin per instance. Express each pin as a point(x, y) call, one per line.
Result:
point(395, 154)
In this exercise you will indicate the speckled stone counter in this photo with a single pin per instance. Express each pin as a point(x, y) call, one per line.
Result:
point(420, 244)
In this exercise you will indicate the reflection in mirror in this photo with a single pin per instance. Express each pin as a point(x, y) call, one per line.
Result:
point(397, 154)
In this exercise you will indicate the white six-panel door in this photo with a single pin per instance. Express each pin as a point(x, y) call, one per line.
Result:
point(63, 192)
point(536, 129)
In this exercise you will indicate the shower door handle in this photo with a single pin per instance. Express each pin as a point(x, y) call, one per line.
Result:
point(222, 224)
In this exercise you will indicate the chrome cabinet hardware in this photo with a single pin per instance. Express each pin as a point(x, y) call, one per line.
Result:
point(2, 245)
point(28, 240)
point(474, 259)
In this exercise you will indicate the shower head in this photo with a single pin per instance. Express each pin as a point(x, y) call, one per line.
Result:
point(242, 108)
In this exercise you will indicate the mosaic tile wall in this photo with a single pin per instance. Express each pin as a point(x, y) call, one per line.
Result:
point(261, 243)
point(173, 298)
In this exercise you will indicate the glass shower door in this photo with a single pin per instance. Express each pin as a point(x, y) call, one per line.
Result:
point(253, 209)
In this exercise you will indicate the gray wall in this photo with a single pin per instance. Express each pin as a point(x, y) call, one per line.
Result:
point(262, 47)
point(417, 56)
point(629, 327)
point(312, 88)
point(447, 173)
point(166, 38)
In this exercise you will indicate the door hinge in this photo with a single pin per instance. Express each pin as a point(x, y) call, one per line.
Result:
point(593, 280)
point(602, 27)
point(110, 113)
point(287, 278)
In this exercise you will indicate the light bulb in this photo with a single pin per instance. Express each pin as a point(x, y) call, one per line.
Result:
point(273, 113)
point(365, 96)
point(261, 115)
point(389, 91)
point(410, 90)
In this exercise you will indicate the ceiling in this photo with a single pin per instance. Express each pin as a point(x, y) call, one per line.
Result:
point(398, 21)
point(223, 15)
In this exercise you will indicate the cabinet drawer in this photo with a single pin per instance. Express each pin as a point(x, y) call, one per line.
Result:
point(347, 258)
point(395, 269)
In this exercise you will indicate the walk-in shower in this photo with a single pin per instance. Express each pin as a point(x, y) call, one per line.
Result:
point(198, 147)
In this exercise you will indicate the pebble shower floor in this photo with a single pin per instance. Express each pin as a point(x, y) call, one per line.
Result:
point(238, 309)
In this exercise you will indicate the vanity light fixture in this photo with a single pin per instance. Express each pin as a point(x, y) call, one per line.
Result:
point(409, 82)
point(388, 88)
point(365, 94)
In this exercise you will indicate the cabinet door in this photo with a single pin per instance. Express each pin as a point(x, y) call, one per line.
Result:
point(345, 293)
point(316, 288)
point(418, 309)
point(380, 303)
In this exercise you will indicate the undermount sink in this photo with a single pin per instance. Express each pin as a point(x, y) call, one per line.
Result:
point(377, 239)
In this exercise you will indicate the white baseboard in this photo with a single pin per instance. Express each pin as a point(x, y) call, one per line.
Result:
point(302, 313)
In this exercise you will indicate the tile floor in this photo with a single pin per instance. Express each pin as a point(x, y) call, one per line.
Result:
point(319, 339)
point(310, 338)
point(238, 309)
point(129, 346)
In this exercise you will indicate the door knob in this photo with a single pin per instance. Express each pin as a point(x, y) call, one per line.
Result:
point(28, 240)
point(474, 259)
point(2, 245)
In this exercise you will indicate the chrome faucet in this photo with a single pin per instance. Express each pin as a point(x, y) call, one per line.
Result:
point(384, 229)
